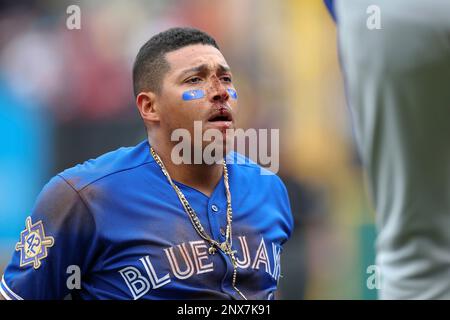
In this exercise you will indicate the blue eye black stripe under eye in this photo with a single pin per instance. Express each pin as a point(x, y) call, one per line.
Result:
point(193, 94)
point(198, 94)
point(232, 93)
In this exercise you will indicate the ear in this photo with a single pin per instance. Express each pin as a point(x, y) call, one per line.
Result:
point(146, 103)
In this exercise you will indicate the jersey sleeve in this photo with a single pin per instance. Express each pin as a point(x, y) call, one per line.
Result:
point(58, 241)
point(330, 7)
point(288, 219)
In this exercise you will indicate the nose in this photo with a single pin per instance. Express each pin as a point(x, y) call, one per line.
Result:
point(219, 92)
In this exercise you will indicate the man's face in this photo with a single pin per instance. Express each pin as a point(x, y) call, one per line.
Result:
point(197, 67)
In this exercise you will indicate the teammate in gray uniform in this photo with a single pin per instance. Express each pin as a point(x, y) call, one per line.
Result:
point(398, 89)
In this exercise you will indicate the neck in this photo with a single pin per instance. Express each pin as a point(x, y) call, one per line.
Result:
point(203, 177)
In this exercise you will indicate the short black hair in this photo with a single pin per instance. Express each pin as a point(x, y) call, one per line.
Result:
point(150, 64)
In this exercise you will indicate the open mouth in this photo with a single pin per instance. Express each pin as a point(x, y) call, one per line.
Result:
point(222, 115)
point(219, 118)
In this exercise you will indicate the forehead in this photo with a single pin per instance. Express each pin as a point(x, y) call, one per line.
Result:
point(194, 55)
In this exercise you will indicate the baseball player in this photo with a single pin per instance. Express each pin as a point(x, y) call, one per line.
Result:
point(133, 224)
point(395, 57)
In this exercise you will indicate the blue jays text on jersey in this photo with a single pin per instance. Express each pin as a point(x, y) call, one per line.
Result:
point(119, 220)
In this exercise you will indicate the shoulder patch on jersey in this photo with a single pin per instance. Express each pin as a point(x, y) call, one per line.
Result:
point(33, 244)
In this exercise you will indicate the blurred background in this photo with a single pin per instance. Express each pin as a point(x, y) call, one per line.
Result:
point(66, 96)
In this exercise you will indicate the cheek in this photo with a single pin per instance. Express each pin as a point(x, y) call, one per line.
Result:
point(234, 105)
point(179, 113)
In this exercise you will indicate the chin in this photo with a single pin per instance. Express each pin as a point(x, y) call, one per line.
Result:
point(216, 150)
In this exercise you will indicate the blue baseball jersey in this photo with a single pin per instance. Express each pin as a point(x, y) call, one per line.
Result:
point(116, 225)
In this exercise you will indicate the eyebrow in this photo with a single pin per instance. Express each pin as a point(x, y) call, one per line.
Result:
point(204, 68)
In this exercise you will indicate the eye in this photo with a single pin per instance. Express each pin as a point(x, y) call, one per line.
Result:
point(226, 78)
point(193, 80)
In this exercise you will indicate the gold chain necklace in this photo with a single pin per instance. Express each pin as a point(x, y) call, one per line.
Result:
point(226, 246)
